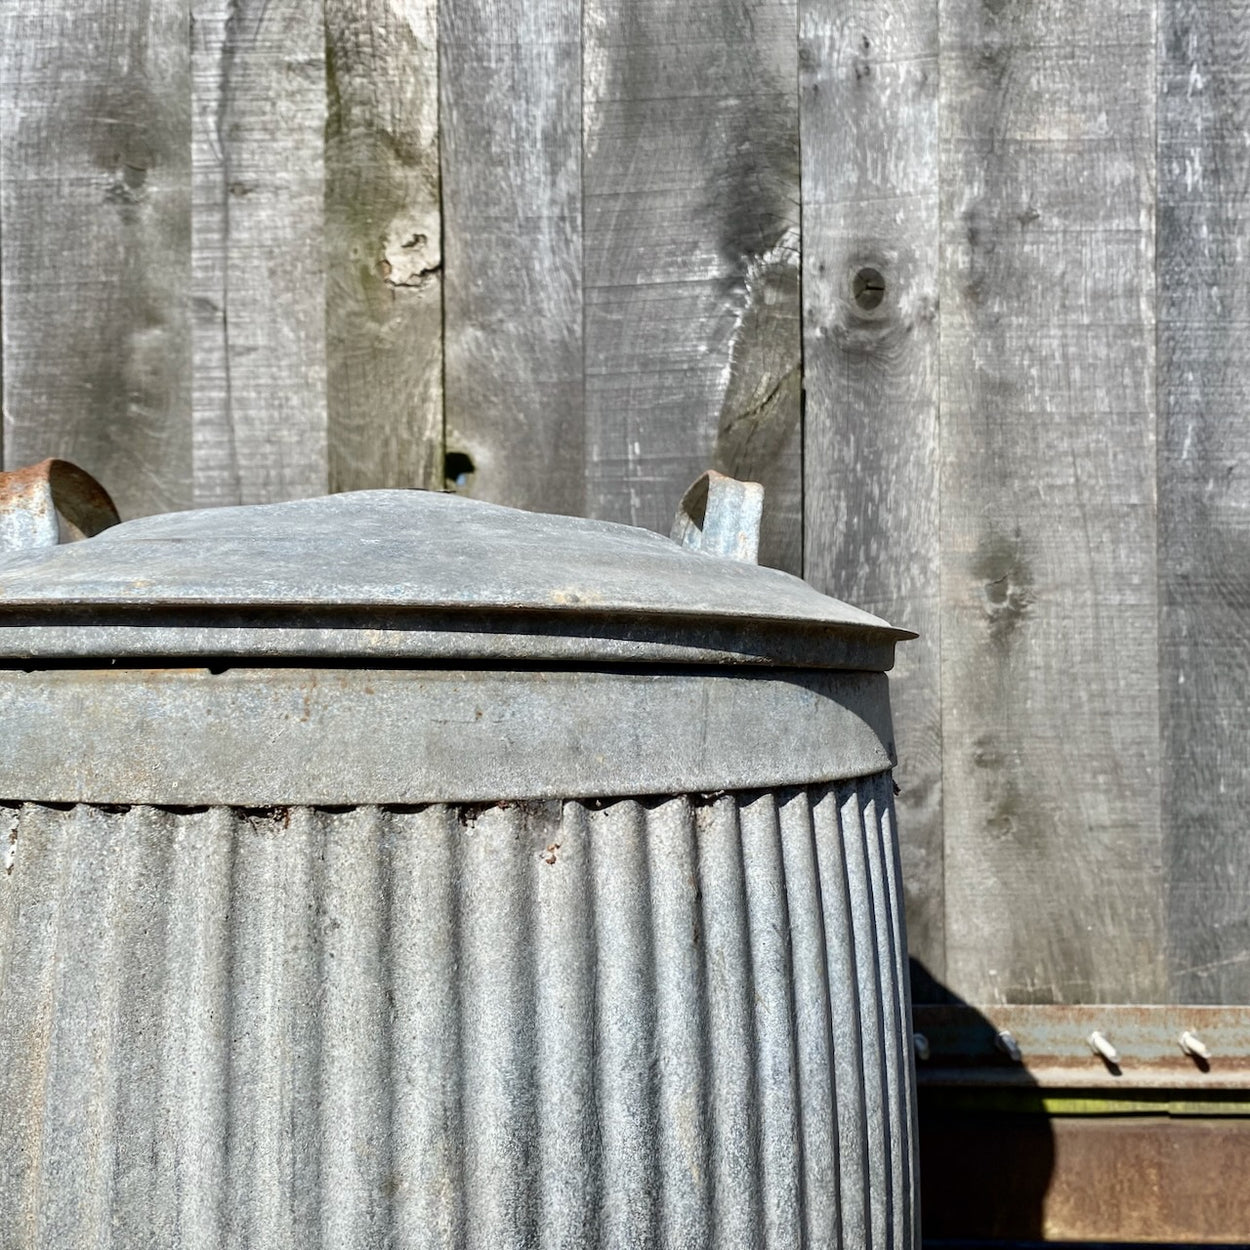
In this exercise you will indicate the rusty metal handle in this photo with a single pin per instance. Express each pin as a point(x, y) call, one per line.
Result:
point(30, 499)
point(720, 515)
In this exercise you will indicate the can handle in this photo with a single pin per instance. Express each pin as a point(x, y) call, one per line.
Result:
point(30, 499)
point(720, 516)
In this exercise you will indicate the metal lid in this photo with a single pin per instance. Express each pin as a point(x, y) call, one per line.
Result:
point(412, 574)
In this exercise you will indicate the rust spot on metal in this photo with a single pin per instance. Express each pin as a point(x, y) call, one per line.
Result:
point(31, 498)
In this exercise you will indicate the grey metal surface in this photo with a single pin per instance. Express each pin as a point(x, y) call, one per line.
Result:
point(414, 552)
point(550, 1024)
point(300, 997)
point(398, 636)
point(256, 736)
point(721, 516)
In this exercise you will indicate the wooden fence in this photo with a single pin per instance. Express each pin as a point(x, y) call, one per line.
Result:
point(964, 283)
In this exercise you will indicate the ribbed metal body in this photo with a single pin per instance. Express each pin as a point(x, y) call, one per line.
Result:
point(677, 1022)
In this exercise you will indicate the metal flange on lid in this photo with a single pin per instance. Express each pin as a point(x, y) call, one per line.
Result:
point(411, 647)
point(410, 575)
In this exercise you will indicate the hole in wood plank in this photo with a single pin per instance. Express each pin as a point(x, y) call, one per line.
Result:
point(868, 287)
point(458, 468)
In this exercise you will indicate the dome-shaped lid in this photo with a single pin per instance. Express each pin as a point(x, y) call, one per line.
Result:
point(412, 574)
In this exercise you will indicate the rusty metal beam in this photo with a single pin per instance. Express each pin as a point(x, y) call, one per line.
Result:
point(1181, 1048)
point(1098, 1179)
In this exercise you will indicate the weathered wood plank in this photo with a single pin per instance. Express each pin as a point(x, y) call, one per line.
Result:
point(1050, 706)
point(258, 250)
point(869, 134)
point(692, 326)
point(95, 217)
point(510, 83)
point(1204, 494)
point(384, 308)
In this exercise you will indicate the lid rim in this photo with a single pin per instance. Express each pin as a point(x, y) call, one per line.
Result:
point(51, 609)
point(411, 562)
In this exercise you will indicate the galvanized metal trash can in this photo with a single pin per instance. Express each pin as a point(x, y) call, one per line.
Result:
point(392, 869)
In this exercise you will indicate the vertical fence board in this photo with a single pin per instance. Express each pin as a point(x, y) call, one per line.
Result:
point(692, 328)
point(510, 84)
point(1050, 708)
point(94, 222)
point(384, 308)
point(258, 250)
point(1204, 494)
point(870, 277)
point(212, 436)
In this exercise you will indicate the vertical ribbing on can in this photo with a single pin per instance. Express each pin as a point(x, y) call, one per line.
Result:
point(775, 1082)
point(568, 1162)
point(816, 985)
point(30, 921)
point(193, 1029)
point(354, 1123)
point(907, 1178)
point(627, 1002)
point(425, 1188)
point(681, 1146)
point(277, 1030)
point(678, 1021)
